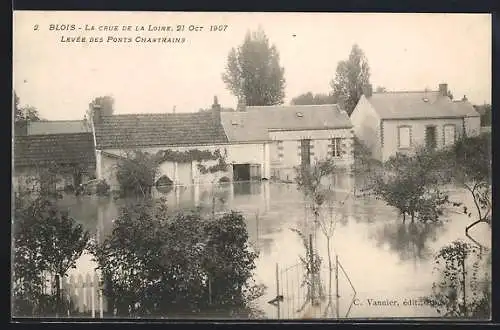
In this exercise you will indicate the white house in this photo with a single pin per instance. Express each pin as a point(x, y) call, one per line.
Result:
point(289, 136)
point(255, 142)
point(390, 122)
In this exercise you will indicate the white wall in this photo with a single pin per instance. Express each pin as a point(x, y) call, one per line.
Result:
point(366, 124)
point(185, 174)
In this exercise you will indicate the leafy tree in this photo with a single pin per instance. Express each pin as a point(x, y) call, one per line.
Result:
point(485, 112)
point(351, 75)
point(469, 161)
point(412, 185)
point(136, 173)
point(160, 264)
point(253, 72)
point(46, 242)
point(24, 113)
point(464, 288)
point(313, 99)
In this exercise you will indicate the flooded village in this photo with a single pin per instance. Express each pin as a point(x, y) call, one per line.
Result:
point(355, 204)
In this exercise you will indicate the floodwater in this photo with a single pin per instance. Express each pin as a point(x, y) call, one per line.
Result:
point(380, 258)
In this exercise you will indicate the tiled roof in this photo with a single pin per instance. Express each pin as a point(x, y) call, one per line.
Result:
point(64, 149)
point(57, 127)
point(163, 129)
point(254, 123)
point(421, 105)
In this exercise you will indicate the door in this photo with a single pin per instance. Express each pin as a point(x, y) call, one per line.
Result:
point(430, 137)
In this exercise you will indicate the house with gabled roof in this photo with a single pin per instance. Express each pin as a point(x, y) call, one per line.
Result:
point(293, 135)
point(391, 122)
point(256, 142)
point(53, 160)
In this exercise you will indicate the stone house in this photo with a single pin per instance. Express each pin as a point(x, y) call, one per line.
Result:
point(390, 122)
point(256, 143)
point(53, 161)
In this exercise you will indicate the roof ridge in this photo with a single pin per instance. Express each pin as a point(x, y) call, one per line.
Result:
point(291, 106)
point(401, 92)
point(153, 114)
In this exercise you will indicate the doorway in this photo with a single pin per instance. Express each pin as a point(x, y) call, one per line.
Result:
point(430, 137)
point(241, 172)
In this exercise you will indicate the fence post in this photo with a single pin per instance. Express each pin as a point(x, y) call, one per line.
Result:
point(311, 269)
point(337, 285)
point(278, 289)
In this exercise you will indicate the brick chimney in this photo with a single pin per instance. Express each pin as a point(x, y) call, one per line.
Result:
point(443, 89)
point(367, 90)
point(216, 109)
point(96, 111)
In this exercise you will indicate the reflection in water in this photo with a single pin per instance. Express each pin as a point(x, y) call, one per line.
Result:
point(410, 241)
point(272, 209)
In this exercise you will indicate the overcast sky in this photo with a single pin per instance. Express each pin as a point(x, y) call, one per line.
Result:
point(405, 52)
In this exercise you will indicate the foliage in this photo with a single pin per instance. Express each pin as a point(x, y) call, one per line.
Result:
point(25, 113)
point(46, 241)
point(253, 72)
point(187, 156)
point(469, 161)
point(464, 288)
point(311, 182)
point(411, 183)
point(313, 99)
point(351, 75)
point(136, 172)
point(102, 188)
point(156, 264)
point(485, 112)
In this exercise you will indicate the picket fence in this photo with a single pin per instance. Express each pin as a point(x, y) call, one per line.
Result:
point(83, 294)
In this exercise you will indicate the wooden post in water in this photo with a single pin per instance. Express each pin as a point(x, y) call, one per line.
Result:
point(311, 268)
point(209, 290)
point(92, 297)
point(337, 296)
point(278, 289)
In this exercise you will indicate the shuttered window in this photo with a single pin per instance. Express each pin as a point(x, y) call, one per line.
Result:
point(336, 147)
point(449, 134)
point(404, 137)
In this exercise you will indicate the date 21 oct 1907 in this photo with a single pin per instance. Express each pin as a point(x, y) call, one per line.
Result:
point(149, 27)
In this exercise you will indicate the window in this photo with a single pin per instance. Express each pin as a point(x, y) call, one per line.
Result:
point(280, 150)
point(337, 147)
point(305, 152)
point(449, 134)
point(404, 137)
point(430, 137)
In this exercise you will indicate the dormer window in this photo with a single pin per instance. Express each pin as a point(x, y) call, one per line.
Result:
point(300, 114)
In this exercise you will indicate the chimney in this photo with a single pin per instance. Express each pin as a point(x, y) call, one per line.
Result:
point(216, 109)
point(443, 89)
point(464, 99)
point(367, 90)
point(96, 113)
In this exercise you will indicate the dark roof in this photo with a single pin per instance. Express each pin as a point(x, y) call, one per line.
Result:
point(63, 149)
point(255, 123)
point(162, 129)
point(421, 105)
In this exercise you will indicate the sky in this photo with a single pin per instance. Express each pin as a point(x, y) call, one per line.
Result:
point(404, 51)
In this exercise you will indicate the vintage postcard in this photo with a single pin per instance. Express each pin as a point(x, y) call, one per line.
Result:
point(185, 165)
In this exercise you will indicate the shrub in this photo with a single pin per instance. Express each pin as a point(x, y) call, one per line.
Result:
point(102, 188)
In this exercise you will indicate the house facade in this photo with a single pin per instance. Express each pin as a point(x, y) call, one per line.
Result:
point(391, 122)
point(291, 136)
point(255, 143)
point(53, 161)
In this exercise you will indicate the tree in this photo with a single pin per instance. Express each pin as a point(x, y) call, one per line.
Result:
point(136, 172)
point(313, 99)
point(412, 185)
point(351, 75)
point(24, 113)
point(485, 112)
point(253, 72)
point(46, 241)
point(380, 89)
point(160, 264)
point(464, 288)
point(469, 161)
